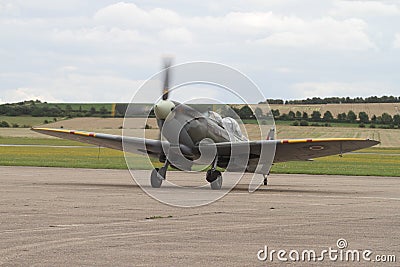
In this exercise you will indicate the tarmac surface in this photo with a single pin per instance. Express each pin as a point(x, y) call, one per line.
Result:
point(80, 217)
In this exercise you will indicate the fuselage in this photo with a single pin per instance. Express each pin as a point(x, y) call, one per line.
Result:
point(189, 127)
point(185, 127)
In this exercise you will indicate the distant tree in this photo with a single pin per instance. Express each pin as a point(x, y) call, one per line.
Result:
point(92, 111)
point(386, 118)
point(303, 123)
point(305, 116)
point(38, 112)
point(275, 112)
point(379, 120)
point(373, 119)
point(295, 123)
point(363, 116)
point(396, 119)
point(246, 113)
point(4, 124)
point(361, 125)
point(351, 116)
point(291, 115)
point(342, 117)
point(275, 101)
point(258, 112)
point(316, 116)
point(103, 110)
point(284, 117)
point(327, 116)
point(68, 108)
point(298, 114)
point(68, 111)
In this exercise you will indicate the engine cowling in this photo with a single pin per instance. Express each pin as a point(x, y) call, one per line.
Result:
point(163, 108)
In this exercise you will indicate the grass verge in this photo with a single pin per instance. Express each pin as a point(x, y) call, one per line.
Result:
point(373, 161)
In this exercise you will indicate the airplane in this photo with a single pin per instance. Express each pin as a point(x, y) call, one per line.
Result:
point(184, 129)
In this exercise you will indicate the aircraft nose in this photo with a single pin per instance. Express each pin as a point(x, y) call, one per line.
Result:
point(163, 108)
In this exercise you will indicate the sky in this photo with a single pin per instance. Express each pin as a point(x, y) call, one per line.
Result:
point(102, 51)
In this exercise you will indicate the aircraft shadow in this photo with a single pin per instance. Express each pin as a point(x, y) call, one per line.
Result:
point(238, 188)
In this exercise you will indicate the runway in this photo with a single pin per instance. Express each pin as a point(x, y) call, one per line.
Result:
point(56, 216)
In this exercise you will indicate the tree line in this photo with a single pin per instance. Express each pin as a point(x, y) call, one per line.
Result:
point(303, 118)
point(315, 118)
point(37, 108)
point(336, 100)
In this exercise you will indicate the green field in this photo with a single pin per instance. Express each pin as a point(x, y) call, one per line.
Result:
point(373, 161)
point(38, 141)
point(27, 121)
point(79, 106)
point(349, 164)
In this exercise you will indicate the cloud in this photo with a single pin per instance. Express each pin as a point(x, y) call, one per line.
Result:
point(364, 9)
point(99, 35)
point(9, 9)
point(324, 33)
point(69, 83)
point(83, 50)
point(130, 15)
point(21, 94)
point(263, 28)
point(396, 42)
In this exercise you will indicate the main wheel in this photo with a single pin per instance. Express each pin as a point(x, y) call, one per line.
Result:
point(155, 179)
point(217, 183)
point(209, 176)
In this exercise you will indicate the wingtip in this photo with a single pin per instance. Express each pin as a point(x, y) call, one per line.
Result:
point(373, 142)
point(35, 129)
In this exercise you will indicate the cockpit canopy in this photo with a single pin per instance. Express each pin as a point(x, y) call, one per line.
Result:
point(215, 117)
point(228, 123)
point(232, 126)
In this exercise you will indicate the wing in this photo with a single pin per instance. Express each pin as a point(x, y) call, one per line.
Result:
point(285, 150)
point(298, 149)
point(305, 149)
point(260, 158)
point(130, 144)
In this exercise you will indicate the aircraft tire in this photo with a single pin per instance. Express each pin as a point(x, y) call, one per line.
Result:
point(217, 183)
point(155, 179)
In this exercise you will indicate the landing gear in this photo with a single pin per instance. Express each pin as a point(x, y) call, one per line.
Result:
point(155, 179)
point(158, 175)
point(265, 179)
point(214, 177)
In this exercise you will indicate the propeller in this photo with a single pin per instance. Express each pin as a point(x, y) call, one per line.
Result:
point(163, 107)
point(167, 64)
